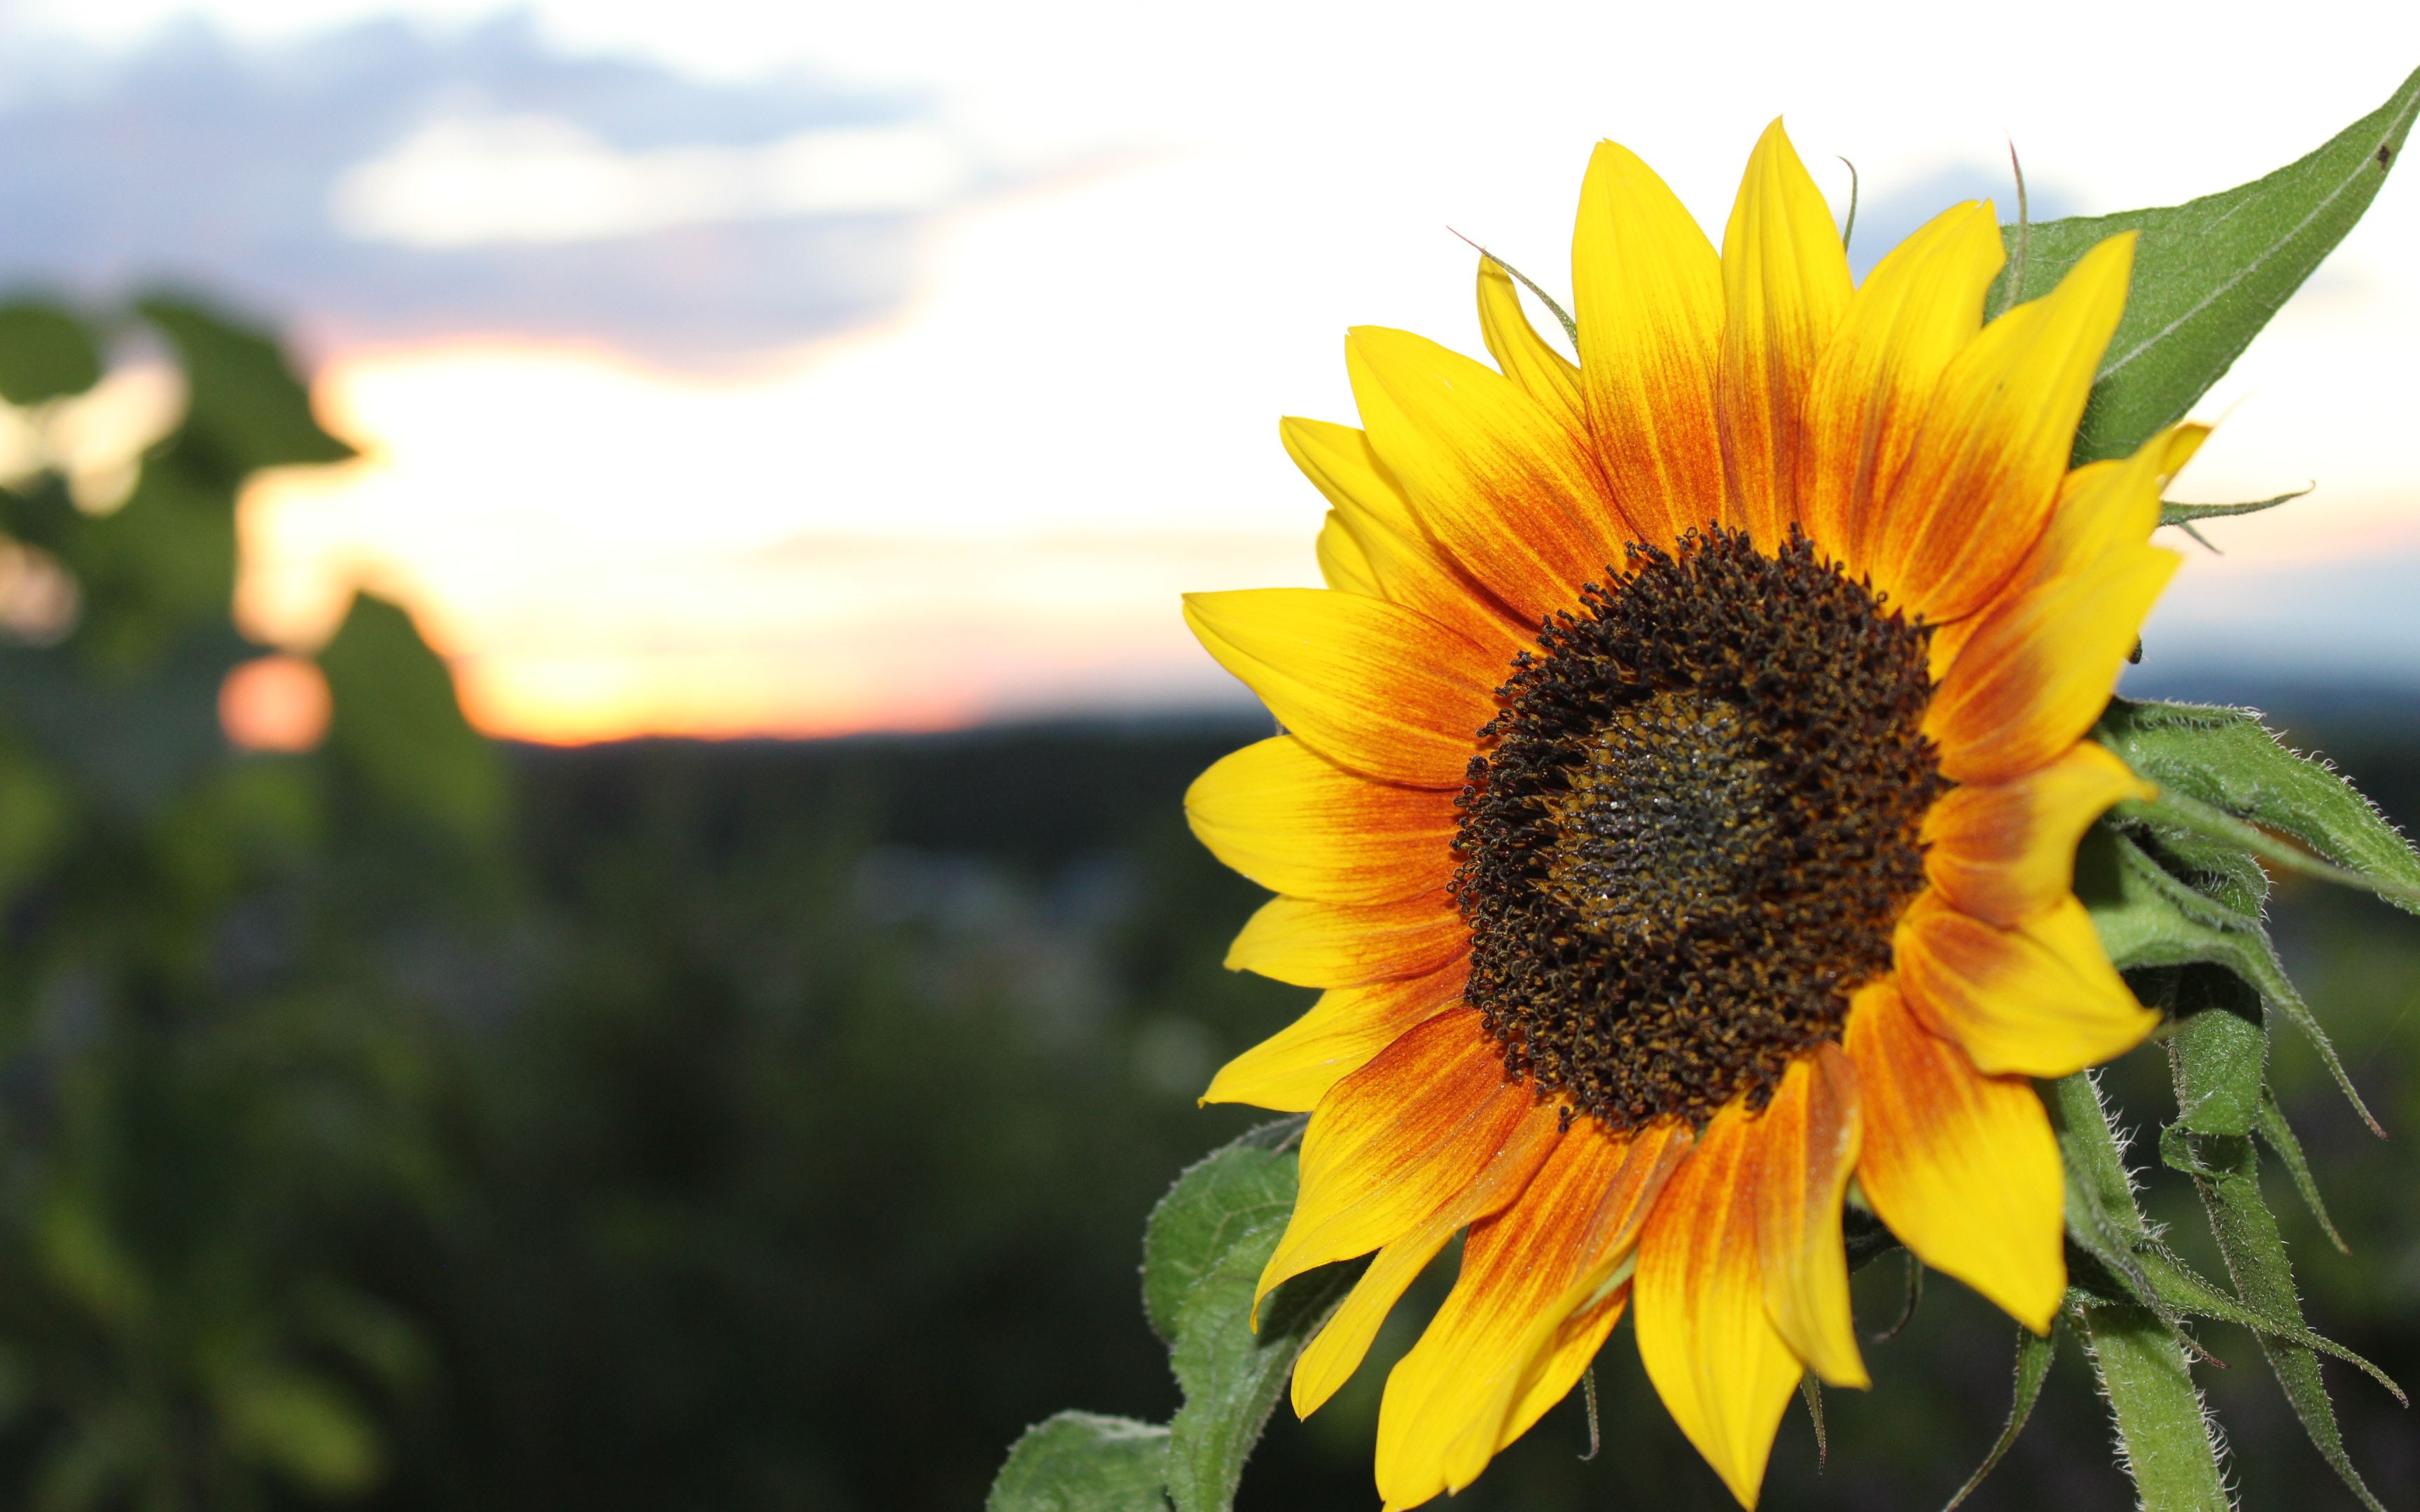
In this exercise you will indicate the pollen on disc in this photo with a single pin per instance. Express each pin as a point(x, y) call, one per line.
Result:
point(1692, 826)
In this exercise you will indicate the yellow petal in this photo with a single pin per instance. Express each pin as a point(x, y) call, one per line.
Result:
point(2041, 999)
point(1811, 1131)
point(1292, 1069)
point(1369, 684)
point(1346, 945)
point(1963, 1166)
point(1920, 306)
point(2004, 852)
point(1396, 1141)
point(1988, 458)
point(1342, 564)
point(2032, 678)
point(1785, 287)
point(1337, 1351)
point(1495, 478)
point(1648, 293)
point(1511, 1337)
point(1406, 566)
point(1299, 823)
point(1709, 1345)
point(1544, 374)
point(2108, 506)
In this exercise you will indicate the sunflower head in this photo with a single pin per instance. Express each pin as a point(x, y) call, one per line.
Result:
point(1683, 770)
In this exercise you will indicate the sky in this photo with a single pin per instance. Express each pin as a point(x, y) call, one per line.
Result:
point(730, 369)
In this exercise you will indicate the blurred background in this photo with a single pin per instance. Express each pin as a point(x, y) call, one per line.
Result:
point(593, 909)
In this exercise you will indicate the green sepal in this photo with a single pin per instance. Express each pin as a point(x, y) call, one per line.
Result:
point(2224, 764)
point(1562, 316)
point(2225, 1171)
point(2208, 274)
point(2218, 1050)
point(2279, 1136)
point(1084, 1462)
point(2147, 917)
point(2104, 1223)
point(2173, 513)
point(2034, 1352)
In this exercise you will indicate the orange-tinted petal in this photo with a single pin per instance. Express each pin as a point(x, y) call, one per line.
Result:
point(1397, 1140)
point(1710, 1346)
point(1648, 293)
point(2032, 678)
point(1336, 1351)
point(1494, 476)
point(1367, 684)
point(1987, 461)
point(1785, 287)
point(1299, 823)
point(1810, 1139)
point(1963, 1166)
point(1536, 1296)
point(1398, 558)
point(1920, 307)
point(1292, 1069)
point(2041, 999)
point(1314, 944)
point(1544, 374)
point(2003, 852)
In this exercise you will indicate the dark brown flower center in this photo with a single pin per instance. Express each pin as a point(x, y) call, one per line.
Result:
point(1692, 826)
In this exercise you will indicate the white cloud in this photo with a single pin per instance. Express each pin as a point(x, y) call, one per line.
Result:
point(473, 180)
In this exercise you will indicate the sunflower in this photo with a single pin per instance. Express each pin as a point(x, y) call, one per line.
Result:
point(1678, 799)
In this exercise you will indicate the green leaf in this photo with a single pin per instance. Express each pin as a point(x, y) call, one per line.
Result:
point(2210, 274)
point(2227, 760)
point(2146, 917)
point(1084, 1462)
point(2280, 1136)
point(45, 353)
point(1240, 1187)
point(2034, 1352)
point(393, 721)
point(244, 405)
point(1204, 1253)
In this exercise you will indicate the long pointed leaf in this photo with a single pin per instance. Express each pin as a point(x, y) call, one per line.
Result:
point(2209, 274)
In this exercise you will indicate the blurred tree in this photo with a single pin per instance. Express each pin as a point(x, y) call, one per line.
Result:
point(193, 1092)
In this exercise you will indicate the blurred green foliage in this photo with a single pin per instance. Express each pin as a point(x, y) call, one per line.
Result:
point(415, 1123)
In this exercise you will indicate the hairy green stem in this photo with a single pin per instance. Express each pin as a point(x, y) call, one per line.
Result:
point(2166, 1441)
